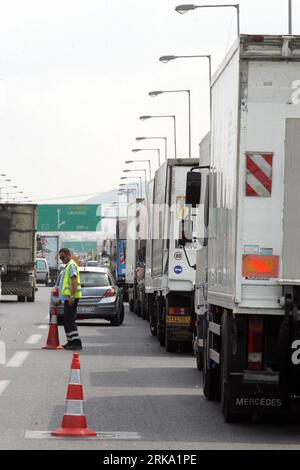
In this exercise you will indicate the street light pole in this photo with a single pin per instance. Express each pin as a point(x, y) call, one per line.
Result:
point(143, 118)
point(184, 8)
point(156, 93)
point(128, 162)
point(138, 170)
point(167, 58)
point(147, 150)
point(290, 17)
point(130, 178)
point(156, 138)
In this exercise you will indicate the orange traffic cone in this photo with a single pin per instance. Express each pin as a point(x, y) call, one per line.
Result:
point(74, 421)
point(53, 339)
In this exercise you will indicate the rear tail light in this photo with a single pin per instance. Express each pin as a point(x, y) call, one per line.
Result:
point(110, 292)
point(255, 343)
point(178, 311)
point(55, 292)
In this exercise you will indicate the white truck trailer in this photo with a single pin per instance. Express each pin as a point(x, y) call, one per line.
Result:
point(170, 274)
point(136, 255)
point(251, 352)
point(18, 250)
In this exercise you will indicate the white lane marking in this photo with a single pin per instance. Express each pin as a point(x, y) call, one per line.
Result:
point(148, 391)
point(100, 435)
point(34, 339)
point(3, 385)
point(18, 359)
point(43, 327)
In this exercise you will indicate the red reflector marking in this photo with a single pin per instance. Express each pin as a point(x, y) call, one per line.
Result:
point(260, 266)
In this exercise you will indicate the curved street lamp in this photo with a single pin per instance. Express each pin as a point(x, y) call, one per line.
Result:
point(155, 138)
point(167, 58)
point(188, 7)
point(153, 94)
point(148, 150)
point(144, 118)
point(128, 162)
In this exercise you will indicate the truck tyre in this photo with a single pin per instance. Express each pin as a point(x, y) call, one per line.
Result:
point(21, 298)
point(137, 309)
point(161, 337)
point(199, 358)
point(143, 308)
point(171, 346)
point(32, 297)
point(211, 380)
point(153, 325)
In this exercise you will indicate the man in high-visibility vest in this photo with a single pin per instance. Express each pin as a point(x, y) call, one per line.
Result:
point(70, 293)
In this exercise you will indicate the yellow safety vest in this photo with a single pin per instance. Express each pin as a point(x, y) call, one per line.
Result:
point(67, 282)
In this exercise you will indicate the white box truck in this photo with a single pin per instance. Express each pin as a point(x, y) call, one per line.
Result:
point(137, 229)
point(18, 250)
point(171, 277)
point(251, 352)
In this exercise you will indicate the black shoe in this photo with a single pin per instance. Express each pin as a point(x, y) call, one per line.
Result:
point(65, 345)
point(73, 347)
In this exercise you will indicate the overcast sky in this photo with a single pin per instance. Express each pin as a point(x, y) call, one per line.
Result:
point(75, 77)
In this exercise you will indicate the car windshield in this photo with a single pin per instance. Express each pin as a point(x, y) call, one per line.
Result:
point(89, 279)
point(92, 263)
point(40, 264)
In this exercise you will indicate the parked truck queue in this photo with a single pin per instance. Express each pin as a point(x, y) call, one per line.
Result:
point(212, 249)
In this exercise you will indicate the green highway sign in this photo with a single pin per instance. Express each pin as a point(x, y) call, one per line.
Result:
point(79, 247)
point(69, 218)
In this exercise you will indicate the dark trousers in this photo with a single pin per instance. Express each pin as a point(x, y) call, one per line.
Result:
point(70, 314)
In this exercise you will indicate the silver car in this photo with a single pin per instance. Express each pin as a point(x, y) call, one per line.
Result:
point(42, 271)
point(101, 297)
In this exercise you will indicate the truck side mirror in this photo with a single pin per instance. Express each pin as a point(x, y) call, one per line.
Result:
point(185, 232)
point(193, 188)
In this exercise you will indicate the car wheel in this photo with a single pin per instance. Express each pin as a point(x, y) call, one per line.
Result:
point(21, 298)
point(116, 321)
point(122, 314)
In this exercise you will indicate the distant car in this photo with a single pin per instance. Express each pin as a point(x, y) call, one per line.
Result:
point(91, 263)
point(101, 297)
point(42, 271)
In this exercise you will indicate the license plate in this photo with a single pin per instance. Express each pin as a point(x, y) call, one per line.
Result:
point(178, 319)
point(85, 309)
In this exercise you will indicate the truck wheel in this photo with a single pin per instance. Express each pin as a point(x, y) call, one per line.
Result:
point(32, 297)
point(161, 338)
point(137, 309)
point(143, 309)
point(211, 380)
point(199, 358)
point(171, 346)
point(21, 298)
point(153, 325)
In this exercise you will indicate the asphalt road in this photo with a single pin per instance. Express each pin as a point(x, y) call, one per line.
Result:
point(136, 395)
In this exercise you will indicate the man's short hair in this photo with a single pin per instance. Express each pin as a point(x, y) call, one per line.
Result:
point(65, 251)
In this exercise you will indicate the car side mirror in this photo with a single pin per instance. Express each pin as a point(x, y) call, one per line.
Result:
point(193, 188)
point(185, 232)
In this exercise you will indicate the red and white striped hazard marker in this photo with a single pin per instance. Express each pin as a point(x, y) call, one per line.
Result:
point(74, 421)
point(259, 174)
